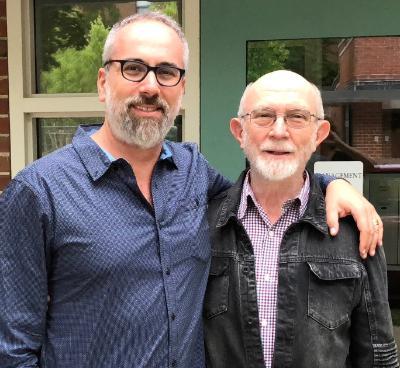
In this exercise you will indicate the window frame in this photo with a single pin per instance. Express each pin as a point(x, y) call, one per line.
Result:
point(25, 106)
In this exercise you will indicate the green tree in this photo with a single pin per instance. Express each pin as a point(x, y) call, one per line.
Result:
point(76, 69)
point(63, 26)
point(169, 8)
point(264, 57)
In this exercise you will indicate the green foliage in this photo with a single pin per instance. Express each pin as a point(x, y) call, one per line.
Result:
point(264, 57)
point(169, 8)
point(76, 69)
point(315, 59)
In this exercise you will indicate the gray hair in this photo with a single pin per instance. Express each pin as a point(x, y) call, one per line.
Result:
point(140, 17)
point(313, 88)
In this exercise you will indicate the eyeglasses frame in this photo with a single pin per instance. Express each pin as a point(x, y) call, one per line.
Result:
point(284, 118)
point(149, 68)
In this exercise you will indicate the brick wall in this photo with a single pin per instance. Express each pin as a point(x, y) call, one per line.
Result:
point(346, 62)
point(369, 59)
point(4, 109)
point(368, 129)
point(377, 58)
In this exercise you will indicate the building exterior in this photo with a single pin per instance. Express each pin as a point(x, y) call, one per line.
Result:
point(351, 49)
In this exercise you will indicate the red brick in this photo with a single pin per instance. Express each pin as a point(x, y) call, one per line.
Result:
point(4, 126)
point(4, 180)
point(3, 67)
point(4, 106)
point(3, 48)
point(4, 145)
point(3, 86)
point(4, 164)
point(3, 11)
point(3, 28)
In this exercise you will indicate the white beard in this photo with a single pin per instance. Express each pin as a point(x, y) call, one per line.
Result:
point(133, 130)
point(276, 169)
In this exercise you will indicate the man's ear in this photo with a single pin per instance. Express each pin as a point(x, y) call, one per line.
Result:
point(237, 130)
point(101, 81)
point(323, 130)
point(184, 85)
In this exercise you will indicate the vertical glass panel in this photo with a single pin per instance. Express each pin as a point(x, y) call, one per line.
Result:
point(360, 83)
point(54, 133)
point(69, 38)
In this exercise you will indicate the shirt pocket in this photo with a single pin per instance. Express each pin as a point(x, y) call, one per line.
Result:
point(190, 232)
point(217, 294)
point(331, 292)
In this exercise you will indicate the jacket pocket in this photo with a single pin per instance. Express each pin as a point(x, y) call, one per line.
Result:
point(217, 293)
point(331, 292)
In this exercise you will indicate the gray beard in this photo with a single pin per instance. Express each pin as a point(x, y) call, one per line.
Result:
point(275, 170)
point(141, 132)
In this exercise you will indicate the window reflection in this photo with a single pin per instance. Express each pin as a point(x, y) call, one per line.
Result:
point(360, 83)
point(69, 38)
point(54, 133)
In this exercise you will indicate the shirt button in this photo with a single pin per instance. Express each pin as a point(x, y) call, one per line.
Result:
point(167, 271)
point(173, 316)
point(264, 323)
point(271, 233)
point(267, 278)
point(173, 364)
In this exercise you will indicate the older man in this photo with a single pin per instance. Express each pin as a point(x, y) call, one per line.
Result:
point(282, 292)
point(104, 244)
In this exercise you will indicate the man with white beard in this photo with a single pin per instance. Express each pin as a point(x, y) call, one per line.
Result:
point(282, 292)
point(104, 244)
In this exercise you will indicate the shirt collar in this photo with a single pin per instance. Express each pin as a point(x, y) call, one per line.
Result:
point(247, 193)
point(96, 160)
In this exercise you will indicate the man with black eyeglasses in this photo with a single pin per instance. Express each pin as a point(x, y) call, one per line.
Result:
point(282, 292)
point(104, 243)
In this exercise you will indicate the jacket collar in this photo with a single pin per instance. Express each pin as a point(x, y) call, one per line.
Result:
point(314, 214)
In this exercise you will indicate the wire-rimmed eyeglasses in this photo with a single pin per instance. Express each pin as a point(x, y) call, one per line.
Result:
point(136, 71)
point(265, 118)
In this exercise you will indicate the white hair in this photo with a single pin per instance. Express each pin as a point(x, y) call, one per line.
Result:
point(313, 89)
point(140, 17)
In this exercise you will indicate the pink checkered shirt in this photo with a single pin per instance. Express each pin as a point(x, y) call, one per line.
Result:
point(266, 239)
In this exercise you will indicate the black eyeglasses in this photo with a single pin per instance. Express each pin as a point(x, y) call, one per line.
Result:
point(136, 71)
point(265, 118)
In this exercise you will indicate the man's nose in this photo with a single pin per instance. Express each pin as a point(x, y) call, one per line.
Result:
point(149, 84)
point(279, 128)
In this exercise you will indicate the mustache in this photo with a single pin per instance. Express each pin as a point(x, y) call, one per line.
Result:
point(280, 147)
point(156, 101)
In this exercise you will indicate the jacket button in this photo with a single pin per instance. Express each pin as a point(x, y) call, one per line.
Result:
point(249, 322)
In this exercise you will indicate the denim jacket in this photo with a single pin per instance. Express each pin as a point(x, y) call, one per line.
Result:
point(332, 308)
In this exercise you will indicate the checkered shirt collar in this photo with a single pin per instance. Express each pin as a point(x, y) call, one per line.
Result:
point(247, 192)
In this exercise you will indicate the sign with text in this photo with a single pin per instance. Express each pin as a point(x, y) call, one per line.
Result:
point(352, 171)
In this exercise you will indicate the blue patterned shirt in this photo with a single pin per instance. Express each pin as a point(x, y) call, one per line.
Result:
point(91, 274)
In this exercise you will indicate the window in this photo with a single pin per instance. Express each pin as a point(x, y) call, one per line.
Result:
point(50, 91)
point(69, 39)
point(360, 82)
